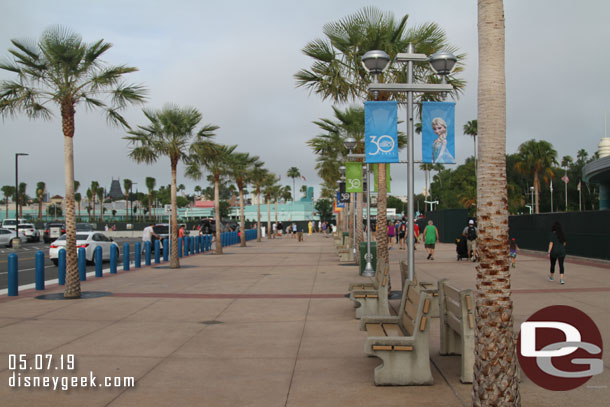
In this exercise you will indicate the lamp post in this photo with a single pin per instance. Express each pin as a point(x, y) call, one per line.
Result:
point(532, 195)
point(17, 193)
point(442, 62)
point(345, 207)
point(350, 143)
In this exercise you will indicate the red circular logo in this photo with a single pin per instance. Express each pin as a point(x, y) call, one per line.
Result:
point(560, 348)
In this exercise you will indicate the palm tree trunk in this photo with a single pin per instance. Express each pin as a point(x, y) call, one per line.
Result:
point(275, 217)
point(6, 206)
point(258, 213)
point(359, 224)
point(72, 289)
point(93, 207)
point(242, 217)
point(382, 224)
point(217, 214)
point(39, 207)
point(536, 191)
point(149, 205)
point(268, 198)
point(174, 262)
point(495, 372)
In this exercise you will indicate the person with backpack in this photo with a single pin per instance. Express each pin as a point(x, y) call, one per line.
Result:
point(402, 233)
point(471, 232)
point(557, 251)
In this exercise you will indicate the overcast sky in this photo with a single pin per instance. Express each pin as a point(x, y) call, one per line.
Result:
point(234, 61)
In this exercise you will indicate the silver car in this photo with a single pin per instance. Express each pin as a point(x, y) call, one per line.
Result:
point(30, 232)
point(7, 236)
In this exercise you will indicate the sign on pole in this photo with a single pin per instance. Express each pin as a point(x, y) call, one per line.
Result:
point(380, 132)
point(438, 132)
point(353, 177)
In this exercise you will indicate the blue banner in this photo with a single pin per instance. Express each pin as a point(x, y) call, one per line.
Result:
point(438, 132)
point(339, 203)
point(380, 132)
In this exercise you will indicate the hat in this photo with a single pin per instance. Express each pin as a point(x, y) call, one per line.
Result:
point(471, 222)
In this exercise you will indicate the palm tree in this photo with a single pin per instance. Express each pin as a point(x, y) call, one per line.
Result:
point(40, 188)
point(100, 197)
point(566, 162)
point(127, 185)
point(293, 172)
point(215, 158)
point(276, 193)
point(150, 185)
point(90, 198)
point(22, 197)
point(61, 69)
point(77, 197)
point(94, 187)
point(470, 129)
point(171, 133)
point(239, 164)
point(258, 176)
point(8, 191)
point(495, 372)
point(536, 158)
point(269, 185)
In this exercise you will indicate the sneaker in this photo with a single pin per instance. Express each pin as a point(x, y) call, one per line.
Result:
point(551, 278)
point(513, 265)
point(431, 258)
point(561, 281)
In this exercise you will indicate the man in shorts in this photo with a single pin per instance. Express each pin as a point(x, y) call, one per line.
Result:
point(430, 239)
point(470, 232)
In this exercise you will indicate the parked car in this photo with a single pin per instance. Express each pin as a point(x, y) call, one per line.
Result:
point(10, 223)
point(30, 232)
point(89, 241)
point(7, 236)
point(52, 231)
point(84, 227)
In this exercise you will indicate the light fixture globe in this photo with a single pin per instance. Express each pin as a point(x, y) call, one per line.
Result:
point(442, 62)
point(375, 61)
point(342, 170)
point(350, 143)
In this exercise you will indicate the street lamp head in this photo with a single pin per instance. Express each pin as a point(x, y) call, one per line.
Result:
point(350, 143)
point(442, 62)
point(18, 154)
point(342, 170)
point(375, 61)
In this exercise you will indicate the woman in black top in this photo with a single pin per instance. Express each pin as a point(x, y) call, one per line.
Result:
point(557, 250)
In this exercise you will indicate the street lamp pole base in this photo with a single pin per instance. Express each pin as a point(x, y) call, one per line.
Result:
point(368, 270)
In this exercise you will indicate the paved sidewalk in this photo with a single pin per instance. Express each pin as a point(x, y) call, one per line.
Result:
point(266, 325)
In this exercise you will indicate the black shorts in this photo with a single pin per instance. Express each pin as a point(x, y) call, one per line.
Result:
point(401, 235)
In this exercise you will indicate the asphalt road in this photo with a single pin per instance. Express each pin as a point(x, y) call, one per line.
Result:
point(27, 261)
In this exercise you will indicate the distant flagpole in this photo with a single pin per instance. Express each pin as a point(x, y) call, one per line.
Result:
point(579, 195)
point(551, 195)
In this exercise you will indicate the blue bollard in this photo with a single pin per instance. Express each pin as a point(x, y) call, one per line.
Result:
point(126, 257)
point(97, 255)
point(39, 270)
point(114, 254)
point(192, 244)
point(165, 249)
point(147, 250)
point(61, 267)
point(185, 243)
point(82, 264)
point(179, 247)
point(137, 255)
point(157, 252)
point(13, 276)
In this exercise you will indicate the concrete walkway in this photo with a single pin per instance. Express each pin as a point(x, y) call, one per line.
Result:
point(266, 325)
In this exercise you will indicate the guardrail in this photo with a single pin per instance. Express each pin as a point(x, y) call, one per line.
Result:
point(187, 246)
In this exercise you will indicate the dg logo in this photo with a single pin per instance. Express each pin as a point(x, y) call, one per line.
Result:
point(560, 348)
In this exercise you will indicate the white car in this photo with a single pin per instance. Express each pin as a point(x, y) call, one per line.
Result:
point(7, 236)
point(89, 241)
point(30, 232)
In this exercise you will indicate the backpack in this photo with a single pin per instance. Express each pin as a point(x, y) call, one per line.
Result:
point(403, 227)
point(472, 233)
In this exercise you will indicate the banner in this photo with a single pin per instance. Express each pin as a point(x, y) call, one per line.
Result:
point(380, 132)
point(353, 177)
point(343, 196)
point(387, 176)
point(438, 132)
point(338, 201)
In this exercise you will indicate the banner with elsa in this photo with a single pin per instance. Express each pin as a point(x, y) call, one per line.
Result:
point(438, 132)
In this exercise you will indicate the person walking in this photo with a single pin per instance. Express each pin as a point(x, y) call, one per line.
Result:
point(557, 251)
point(147, 236)
point(294, 230)
point(402, 233)
point(391, 231)
point(514, 249)
point(430, 239)
point(310, 227)
point(471, 232)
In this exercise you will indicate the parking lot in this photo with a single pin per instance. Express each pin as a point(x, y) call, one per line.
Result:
point(27, 255)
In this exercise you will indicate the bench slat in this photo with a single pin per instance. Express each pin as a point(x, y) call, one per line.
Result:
point(453, 308)
point(411, 310)
point(382, 347)
point(374, 330)
point(392, 330)
point(454, 323)
point(468, 303)
point(452, 292)
point(403, 348)
point(422, 324)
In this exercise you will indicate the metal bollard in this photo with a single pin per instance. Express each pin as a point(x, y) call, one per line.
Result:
point(126, 257)
point(137, 255)
point(61, 267)
point(165, 249)
point(39, 270)
point(13, 275)
point(97, 255)
point(114, 254)
point(179, 247)
point(192, 244)
point(186, 247)
point(147, 250)
point(82, 264)
point(157, 252)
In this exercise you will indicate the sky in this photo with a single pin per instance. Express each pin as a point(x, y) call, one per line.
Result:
point(235, 61)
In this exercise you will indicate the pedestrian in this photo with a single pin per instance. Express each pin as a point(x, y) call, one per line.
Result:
point(514, 249)
point(470, 232)
point(106, 227)
point(402, 234)
point(280, 228)
point(323, 228)
point(294, 230)
point(181, 231)
point(148, 235)
point(430, 238)
point(557, 251)
point(415, 235)
point(310, 227)
point(396, 231)
point(391, 232)
point(114, 228)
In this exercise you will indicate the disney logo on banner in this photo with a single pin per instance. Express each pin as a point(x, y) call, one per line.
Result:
point(380, 132)
point(555, 344)
point(354, 183)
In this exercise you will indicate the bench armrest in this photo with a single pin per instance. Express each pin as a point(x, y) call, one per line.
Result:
point(363, 284)
point(377, 319)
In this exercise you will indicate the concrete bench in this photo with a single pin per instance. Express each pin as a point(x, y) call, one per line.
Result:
point(457, 326)
point(401, 342)
point(371, 298)
point(421, 285)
